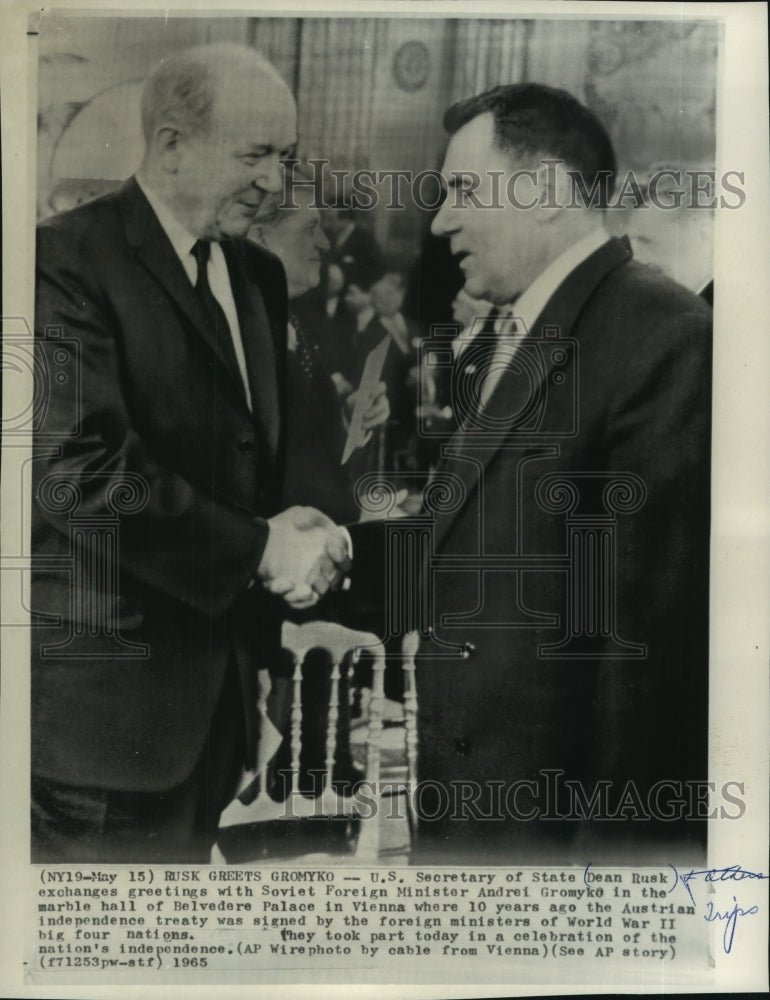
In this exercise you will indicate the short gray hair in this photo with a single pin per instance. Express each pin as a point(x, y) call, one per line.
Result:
point(181, 91)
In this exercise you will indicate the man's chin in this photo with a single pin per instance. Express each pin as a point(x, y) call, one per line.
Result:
point(476, 290)
point(235, 228)
point(237, 221)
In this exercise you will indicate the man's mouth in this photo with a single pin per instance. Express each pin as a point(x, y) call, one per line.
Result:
point(252, 200)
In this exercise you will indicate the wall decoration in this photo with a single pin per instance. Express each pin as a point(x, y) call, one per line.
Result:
point(411, 65)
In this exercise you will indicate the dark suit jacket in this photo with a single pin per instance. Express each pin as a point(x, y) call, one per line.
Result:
point(148, 404)
point(359, 251)
point(628, 392)
point(316, 437)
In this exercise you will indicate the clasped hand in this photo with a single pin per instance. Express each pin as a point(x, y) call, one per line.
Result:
point(306, 555)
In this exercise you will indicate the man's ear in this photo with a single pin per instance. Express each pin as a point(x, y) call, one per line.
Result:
point(166, 145)
point(553, 189)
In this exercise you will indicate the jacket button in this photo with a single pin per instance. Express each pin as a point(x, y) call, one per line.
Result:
point(463, 747)
point(468, 650)
point(246, 444)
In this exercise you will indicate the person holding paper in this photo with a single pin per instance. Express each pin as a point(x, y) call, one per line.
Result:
point(160, 545)
point(364, 282)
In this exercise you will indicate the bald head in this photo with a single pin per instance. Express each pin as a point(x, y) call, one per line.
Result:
point(184, 89)
point(217, 120)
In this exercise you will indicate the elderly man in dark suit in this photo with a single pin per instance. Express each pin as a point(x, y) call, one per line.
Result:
point(563, 665)
point(159, 545)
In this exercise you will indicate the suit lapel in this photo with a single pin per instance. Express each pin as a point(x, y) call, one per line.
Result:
point(154, 250)
point(520, 395)
point(263, 345)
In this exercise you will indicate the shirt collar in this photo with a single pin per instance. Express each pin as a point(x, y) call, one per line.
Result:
point(530, 304)
point(397, 328)
point(182, 240)
point(343, 234)
point(364, 318)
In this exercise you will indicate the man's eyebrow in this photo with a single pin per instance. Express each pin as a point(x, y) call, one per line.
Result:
point(268, 149)
point(462, 178)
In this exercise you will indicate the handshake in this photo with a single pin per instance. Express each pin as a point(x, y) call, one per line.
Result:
point(306, 555)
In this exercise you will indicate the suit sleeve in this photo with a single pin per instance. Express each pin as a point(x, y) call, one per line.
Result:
point(651, 713)
point(179, 538)
point(364, 605)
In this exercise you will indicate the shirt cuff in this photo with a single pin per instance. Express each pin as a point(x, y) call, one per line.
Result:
point(349, 544)
point(348, 540)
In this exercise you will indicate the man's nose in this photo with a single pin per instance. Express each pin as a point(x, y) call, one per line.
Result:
point(443, 223)
point(271, 175)
point(321, 239)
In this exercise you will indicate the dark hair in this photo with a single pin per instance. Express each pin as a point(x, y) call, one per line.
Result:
point(532, 119)
point(343, 208)
point(392, 263)
point(362, 274)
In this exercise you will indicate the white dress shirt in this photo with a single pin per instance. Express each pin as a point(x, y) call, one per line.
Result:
point(183, 241)
point(514, 322)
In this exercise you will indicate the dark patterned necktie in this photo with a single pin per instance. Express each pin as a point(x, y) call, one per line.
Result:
point(256, 341)
point(202, 251)
point(471, 368)
point(304, 355)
